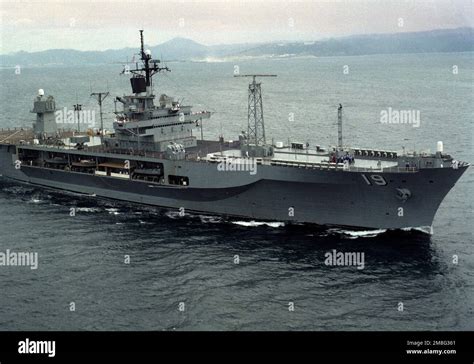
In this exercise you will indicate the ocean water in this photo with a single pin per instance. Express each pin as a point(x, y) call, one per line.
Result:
point(192, 259)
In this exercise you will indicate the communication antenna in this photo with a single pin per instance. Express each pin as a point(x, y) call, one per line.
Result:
point(101, 96)
point(339, 126)
point(77, 110)
point(256, 126)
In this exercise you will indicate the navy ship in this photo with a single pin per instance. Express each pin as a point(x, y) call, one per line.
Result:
point(154, 156)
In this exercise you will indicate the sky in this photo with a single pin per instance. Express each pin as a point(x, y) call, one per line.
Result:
point(36, 25)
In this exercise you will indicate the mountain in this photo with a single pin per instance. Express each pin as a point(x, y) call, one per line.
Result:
point(450, 40)
point(446, 40)
point(180, 49)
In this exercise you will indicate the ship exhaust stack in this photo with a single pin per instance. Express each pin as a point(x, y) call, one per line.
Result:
point(256, 145)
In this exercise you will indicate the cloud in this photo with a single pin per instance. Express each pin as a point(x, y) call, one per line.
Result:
point(113, 24)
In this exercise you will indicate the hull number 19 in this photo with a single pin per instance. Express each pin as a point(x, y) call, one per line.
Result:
point(376, 179)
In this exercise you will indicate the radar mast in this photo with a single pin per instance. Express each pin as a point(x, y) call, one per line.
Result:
point(143, 74)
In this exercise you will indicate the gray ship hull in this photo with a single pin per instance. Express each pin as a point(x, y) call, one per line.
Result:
point(274, 193)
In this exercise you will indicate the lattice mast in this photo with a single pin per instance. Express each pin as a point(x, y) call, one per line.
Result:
point(256, 125)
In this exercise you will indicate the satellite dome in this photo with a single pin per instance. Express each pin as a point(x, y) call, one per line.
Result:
point(40, 92)
point(148, 52)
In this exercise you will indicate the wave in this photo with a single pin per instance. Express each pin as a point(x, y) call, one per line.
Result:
point(210, 219)
point(88, 209)
point(18, 190)
point(354, 234)
point(113, 211)
point(423, 229)
point(258, 223)
point(173, 214)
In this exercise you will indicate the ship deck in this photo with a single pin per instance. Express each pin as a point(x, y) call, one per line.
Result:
point(15, 135)
point(24, 135)
point(311, 159)
point(215, 151)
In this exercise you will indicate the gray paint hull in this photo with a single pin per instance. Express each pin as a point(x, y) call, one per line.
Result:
point(277, 193)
